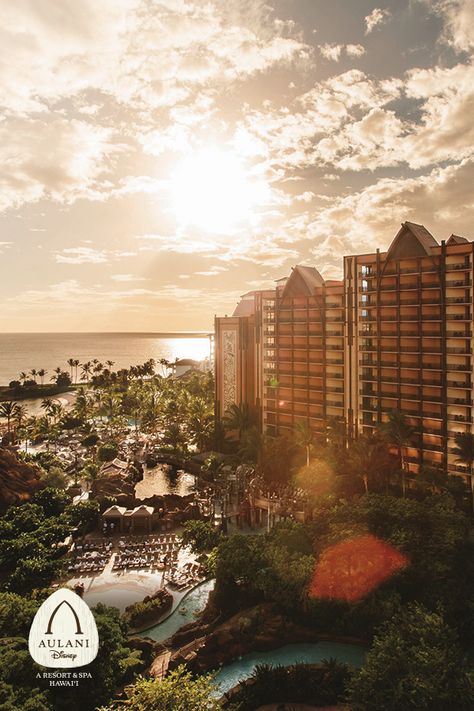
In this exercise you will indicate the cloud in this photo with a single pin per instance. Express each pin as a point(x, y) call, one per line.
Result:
point(458, 16)
point(355, 50)
point(376, 18)
point(331, 51)
point(127, 277)
point(55, 158)
point(140, 52)
point(81, 255)
point(4, 246)
point(441, 199)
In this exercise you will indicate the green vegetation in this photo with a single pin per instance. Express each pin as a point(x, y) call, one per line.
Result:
point(415, 663)
point(31, 537)
point(300, 683)
point(114, 665)
point(178, 691)
point(278, 567)
point(149, 609)
point(201, 536)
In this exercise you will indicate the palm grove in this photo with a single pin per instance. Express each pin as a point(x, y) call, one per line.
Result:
point(354, 489)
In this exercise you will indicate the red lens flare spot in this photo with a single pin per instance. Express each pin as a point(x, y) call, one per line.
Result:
point(352, 569)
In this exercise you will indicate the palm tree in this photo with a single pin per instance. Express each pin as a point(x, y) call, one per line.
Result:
point(20, 415)
point(200, 422)
point(58, 372)
point(304, 438)
point(23, 376)
point(34, 373)
point(237, 417)
point(71, 363)
point(8, 411)
point(369, 458)
point(109, 364)
point(465, 451)
point(251, 446)
point(42, 372)
point(398, 433)
point(76, 366)
point(87, 370)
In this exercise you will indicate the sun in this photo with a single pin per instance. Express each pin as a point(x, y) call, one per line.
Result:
point(212, 190)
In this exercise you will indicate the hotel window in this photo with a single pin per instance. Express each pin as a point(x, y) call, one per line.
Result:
point(365, 285)
point(366, 270)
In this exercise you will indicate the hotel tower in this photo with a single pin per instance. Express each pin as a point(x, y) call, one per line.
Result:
point(394, 334)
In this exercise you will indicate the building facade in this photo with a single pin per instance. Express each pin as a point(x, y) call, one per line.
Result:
point(394, 333)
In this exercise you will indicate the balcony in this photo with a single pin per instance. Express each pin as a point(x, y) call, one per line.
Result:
point(458, 334)
point(457, 267)
point(457, 300)
point(465, 402)
point(458, 317)
point(459, 351)
point(459, 384)
point(459, 418)
point(459, 282)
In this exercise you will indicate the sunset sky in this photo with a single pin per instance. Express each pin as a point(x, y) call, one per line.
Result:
point(161, 157)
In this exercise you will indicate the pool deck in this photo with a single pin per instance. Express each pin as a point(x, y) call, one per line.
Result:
point(137, 583)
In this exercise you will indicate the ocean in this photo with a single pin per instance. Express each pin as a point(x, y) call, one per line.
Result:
point(24, 351)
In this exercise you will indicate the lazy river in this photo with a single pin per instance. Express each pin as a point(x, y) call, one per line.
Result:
point(301, 653)
point(230, 675)
point(188, 607)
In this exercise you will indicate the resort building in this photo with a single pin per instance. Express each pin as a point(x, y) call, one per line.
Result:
point(394, 333)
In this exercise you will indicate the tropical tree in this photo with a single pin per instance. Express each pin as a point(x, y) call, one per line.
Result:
point(200, 422)
point(465, 454)
point(76, 366)
point(179, 690)
point(57, 375)
point(251, 446)
point(71, 363)
point(415, 662)
point(41, 373)
point(369, 460)
point(9, 411)
point(399, 434)
point(33, 373)
point(304, 438)
point(86, 370)
point(237, 417)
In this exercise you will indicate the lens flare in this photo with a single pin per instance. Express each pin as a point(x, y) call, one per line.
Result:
point(352, 569)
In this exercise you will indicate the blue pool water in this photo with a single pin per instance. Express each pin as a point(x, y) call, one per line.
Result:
point(302, 653)
point(194, 602)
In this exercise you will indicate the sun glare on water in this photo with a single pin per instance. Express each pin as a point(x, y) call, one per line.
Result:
point(211, 189)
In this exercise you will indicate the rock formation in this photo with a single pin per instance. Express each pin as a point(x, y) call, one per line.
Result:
point(19, 481)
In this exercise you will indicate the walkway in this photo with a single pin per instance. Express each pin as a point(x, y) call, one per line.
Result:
point(160, 665)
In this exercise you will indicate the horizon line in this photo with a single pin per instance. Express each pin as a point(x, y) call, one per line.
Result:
point(111, 333)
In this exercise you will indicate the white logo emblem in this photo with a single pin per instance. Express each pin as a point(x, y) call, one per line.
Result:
point(63, 633)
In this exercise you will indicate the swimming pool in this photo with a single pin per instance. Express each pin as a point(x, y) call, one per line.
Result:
point(192, 603)
point(301, 653)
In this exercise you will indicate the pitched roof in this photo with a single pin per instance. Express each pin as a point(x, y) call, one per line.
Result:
point(456, 239)
point(245, 307)
point(114, 510)
point(303, 280)
point(411, 240)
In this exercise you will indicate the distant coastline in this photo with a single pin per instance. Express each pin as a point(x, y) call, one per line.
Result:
point(154, 334)
point(27, 352)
